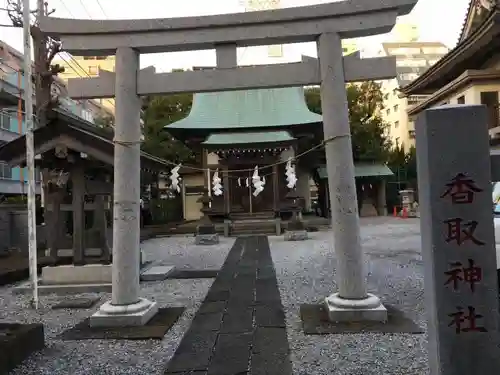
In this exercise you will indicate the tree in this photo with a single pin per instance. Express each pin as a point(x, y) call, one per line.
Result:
point(368, 130)
point(159, 111)
point(104, 121)
point(404, 165)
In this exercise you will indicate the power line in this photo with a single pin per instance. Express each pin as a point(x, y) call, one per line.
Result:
point(85, 8)
point(102, 9)
point(67, 8)
point(79, 75)
point(71, 57)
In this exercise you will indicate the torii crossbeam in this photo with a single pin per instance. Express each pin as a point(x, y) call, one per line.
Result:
point(303, 73)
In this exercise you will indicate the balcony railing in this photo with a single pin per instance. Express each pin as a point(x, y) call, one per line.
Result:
point(66, 103)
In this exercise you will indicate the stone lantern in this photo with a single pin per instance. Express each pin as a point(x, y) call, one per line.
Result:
point(205, 231)
point(296, 229)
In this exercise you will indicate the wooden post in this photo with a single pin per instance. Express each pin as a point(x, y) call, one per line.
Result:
point(53, 223)
point(276, 193)
point(101, 226)
point(458, 243)
point(227, 192)
point(78, 195)
point(381, 198)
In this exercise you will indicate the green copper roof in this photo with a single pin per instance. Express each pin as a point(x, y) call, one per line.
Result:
point(248, 109)
point(244, 138)
point(363, 170)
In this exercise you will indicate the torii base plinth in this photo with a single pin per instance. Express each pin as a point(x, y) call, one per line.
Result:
point(350, 310)
point(133, 315)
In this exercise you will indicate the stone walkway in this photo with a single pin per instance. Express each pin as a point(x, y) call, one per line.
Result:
point(240, 327)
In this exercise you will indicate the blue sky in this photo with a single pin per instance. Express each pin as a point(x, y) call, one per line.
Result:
point(438, 20)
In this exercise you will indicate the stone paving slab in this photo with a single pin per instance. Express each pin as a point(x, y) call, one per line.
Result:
point(270, 352)
point(240, 326)
point(231, 354)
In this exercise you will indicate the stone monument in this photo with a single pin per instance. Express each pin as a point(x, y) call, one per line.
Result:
point(458, 244)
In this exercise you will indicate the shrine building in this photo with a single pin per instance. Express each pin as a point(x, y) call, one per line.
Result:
point(237, 130)
point(469, 73)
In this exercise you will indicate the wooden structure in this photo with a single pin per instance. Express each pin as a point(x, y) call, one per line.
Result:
point(77, 175)
point(238, 130)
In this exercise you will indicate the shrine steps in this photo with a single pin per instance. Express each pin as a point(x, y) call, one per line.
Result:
point(244, 216)
point(253, 227)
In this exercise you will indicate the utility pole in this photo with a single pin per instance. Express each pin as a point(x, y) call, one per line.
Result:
point(30, 154)
point(45, 49)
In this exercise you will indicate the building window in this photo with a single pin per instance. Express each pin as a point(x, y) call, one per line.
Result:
point(396, 124)
point(411, 134)
point(388, 111)
point(94, 70)
point(396, 107)
point(435, 50)
point(413, 63)
point(461, 100)
point(5, 120)
point(5, 171)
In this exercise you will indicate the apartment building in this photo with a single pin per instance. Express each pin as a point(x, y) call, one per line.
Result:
point(413, 59)
point(13, 180)
point(88, 66)
point(469, 73)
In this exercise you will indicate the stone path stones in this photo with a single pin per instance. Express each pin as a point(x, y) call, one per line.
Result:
point(240, 326)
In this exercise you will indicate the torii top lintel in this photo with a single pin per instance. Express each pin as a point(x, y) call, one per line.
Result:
point(349, 18)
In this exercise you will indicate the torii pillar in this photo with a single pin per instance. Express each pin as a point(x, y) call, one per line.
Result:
point(352, 302)
point(126, 308)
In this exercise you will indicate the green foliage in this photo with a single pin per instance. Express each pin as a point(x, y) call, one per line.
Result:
point(159, 111)
point(105, 121)
point(369, 132)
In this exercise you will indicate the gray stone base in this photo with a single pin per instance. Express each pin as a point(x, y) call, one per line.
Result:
point(227, 228)
point(296, 235)
point(207, 239)
point(134, 315)
point(347, 310)
point(62, 289)
point(156, 273)
point(65, 288)
point(70, 274)
point(68, 253)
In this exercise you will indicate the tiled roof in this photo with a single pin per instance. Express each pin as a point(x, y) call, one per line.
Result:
point(244, 138)
point(248, 109)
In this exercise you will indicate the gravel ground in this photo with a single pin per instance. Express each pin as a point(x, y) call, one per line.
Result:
point(110, 357)
point(305, 272)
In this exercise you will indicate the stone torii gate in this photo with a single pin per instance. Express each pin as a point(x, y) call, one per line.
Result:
point(326, 24)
